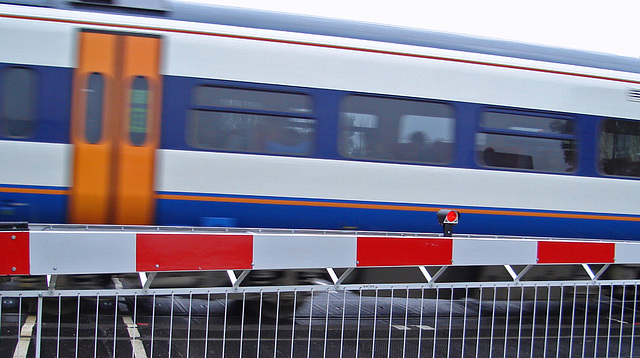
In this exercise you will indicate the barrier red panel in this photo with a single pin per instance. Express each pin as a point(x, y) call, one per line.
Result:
point(192, 252)
point(556, 252)
point(14, 253)
point(394, 251)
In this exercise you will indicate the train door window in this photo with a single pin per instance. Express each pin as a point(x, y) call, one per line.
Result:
point(138, 108)
point(247, 120)
point(18, 96)
point(526, 141)
point(620, 147)
point(94, 109)
point(397, 130)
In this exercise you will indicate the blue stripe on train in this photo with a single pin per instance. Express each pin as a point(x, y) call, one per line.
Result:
point(35, 208)
point(190, 213)
point(47, 208)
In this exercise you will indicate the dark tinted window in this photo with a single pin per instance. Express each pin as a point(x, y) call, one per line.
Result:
point(524, 141)
point(138, 111)
point(525, 123)
point(94, 110)
point(620, 147)
point(238, 98)
point(400, 130)
point(251, 121)
point(18, 97)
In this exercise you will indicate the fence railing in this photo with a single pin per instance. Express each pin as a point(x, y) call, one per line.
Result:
point(534, 319)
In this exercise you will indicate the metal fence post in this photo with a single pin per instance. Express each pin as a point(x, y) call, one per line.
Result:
point(38, 326)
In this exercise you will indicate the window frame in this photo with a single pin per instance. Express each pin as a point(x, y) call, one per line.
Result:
point(342, 128)
point(599, 150)
point(480, 129)
point(33, 104)
point(308, 115)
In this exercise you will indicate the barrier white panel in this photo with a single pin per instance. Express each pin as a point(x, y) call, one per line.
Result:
point(81, 252)
point(293, 251)
point(627, 253)
point(494, 252)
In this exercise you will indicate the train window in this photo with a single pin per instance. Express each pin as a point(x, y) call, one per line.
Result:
point(94, 110)
point(246, 120)
point(238, 98)
point(524, 141)
point(138, 111)
point(18, 95)
point(398, 130)
point(620, 147)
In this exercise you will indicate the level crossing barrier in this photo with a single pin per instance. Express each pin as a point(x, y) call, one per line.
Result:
point(110, 291)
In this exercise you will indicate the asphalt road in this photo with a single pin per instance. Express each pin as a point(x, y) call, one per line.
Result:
point(336, 324)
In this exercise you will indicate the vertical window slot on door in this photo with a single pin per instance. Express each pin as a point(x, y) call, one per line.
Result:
point(138, 111)
point(94, 110)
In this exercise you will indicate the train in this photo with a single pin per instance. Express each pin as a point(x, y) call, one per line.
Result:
point(180, 114)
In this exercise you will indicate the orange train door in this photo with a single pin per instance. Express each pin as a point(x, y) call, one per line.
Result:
point(115, 128)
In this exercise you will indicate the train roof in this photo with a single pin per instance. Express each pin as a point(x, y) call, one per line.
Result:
point(269, 20)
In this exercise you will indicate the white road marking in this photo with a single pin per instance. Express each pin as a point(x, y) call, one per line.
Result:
point(617, 320)
point(425, 327)
point(25, 338)
point(401, 327)
point(134, 334)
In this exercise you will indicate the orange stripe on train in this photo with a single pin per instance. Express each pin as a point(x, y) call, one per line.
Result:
point(393, 207)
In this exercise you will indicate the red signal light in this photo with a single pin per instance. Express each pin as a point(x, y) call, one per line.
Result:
point(448, 218)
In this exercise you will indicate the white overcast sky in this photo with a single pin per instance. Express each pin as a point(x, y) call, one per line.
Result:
point(611, 26)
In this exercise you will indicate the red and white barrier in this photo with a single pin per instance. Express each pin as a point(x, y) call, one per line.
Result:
point(80, 252)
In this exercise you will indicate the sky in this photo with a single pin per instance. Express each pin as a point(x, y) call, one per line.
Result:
point(601, 26)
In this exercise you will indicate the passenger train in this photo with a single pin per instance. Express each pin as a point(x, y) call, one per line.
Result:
point(168, 113)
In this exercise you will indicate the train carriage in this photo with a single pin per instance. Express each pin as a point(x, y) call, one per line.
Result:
point(116, 112)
